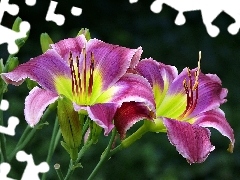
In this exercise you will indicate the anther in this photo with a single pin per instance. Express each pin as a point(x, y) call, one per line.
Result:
point(84, 69)
point(90, 84)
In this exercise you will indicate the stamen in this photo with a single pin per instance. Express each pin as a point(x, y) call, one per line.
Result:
point(79, 80)
point(84, 70)
point(74, 82)
point(90, 84)
point(190, 88)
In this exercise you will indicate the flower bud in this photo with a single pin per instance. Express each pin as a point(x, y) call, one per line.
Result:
point(70, 126)
point(16, 24)
point(11, 64)
point(45, 41)
point(1, 66)
point(85, 32)
point(16, 27)
point(3, 85)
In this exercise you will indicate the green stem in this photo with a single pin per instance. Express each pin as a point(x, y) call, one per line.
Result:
point(24, 135)
point(2, 137)
point(58, 170)
point(73, 165)
point(135, 136)
point(86, 125)
point(125, 143)
point(105, 156)
point(28, 134)
point(58, 136)
point(52, 145)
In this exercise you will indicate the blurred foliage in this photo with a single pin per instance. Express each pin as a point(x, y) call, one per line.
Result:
point(134, 25)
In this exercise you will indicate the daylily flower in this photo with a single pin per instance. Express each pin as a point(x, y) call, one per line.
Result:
point(185, 105)
point(92, 74)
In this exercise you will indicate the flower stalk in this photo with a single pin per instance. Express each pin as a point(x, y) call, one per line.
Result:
point(57, 167)
point(74, 164)
point(105, 156)
point(29, 133)
point(52, 146)
point(2, 137)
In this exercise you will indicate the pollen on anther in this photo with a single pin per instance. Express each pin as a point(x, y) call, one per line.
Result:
point(90, 85)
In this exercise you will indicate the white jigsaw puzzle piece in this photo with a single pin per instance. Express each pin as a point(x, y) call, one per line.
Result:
point(31, 171)
point(12, 9)
point(59, 19)
point(10, 130)
point(133, 1)
point(210, 10)
point(12, 121)
point(30, 2)
point(76, 11)
point(4, 105)
point(8, 35)
point(4, 170)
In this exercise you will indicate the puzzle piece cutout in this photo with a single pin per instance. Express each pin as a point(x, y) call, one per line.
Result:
point(210, 10)
point(12, 9)
point(59, 19)
point(12, 121)
point(8, 35)
point(133, 1)
point(31, 171)
point(30, 2)
point(76, 11)
point(4, 170)
point(4, 105)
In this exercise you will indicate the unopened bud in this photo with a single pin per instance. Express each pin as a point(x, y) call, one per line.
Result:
point(11, 64)
point(70, 126)
point(85, 32)
point(45, 42)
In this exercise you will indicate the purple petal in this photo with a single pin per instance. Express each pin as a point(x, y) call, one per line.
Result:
point(159, 75)
point(128, 114)
point(191, 141)
point(210, 91)
point(102, 115)
point(136, 57)
point(110, 62)
point(216, 119)
point(131, 87)
point(73, 45)
point(156, 73)
point(41, 69)
point(36, 102)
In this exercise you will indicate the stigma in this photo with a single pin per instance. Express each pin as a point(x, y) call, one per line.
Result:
point(82, 76)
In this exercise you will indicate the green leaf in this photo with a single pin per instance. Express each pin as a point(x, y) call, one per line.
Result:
point(30, 84)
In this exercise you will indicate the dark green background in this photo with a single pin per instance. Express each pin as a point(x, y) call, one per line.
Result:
point(134, 25)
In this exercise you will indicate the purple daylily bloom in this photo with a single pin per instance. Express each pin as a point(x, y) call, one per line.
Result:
point(92, 74)
point(184, 108)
